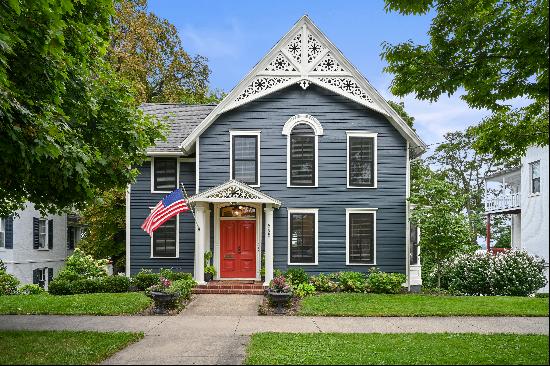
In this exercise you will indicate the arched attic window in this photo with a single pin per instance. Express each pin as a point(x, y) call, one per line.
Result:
point(302, 153)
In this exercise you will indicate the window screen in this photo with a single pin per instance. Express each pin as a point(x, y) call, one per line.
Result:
point(164, 239)
point(361, 161)
point(166, 170)
point(245, 159)
point(302, 238)
point(302, 156)
point(361, 238)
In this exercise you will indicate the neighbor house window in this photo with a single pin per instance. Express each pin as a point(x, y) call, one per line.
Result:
point(302, 236)
point(361, 236)
point(362, 159)
point(73, 236)
point(414, 244)
point(245, 157)
point(164, 174)
point(535, 176)
point(165, 238)
point(42, 233)
point(2, 232)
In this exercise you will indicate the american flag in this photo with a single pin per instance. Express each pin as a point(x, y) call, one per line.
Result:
point(168, 207)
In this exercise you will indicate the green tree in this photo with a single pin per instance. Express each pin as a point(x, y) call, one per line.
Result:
point(492, 50)
point(438, 212)
point(400, 109)
point(69, 126)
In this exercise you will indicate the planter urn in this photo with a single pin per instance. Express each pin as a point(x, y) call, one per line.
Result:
point(280, 298)
point(162, 301)
point(208, 277)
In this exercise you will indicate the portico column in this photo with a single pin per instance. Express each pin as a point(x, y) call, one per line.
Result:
point(268, 243)
point(200, 228)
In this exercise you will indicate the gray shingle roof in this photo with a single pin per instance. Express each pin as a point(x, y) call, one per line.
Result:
point(181, 119)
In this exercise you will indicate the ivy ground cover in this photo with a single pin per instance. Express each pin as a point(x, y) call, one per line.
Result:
point(396, 349)
point(81, 304)
point(61, 347)
point(353, 304)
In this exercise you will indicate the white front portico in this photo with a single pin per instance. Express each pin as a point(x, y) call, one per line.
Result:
point(241, 214)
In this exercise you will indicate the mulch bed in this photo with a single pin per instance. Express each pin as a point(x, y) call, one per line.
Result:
point(266, 308)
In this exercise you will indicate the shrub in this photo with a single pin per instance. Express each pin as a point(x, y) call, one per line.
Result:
point(118, 283)
point(351, 281)
point(384, 283)
point(182, 287)
point(296, 276)
point(86, 286)
point(82, 266)
point(513, 273)
point(170, 274)
point(31, 289)
point(323, 283)
point(145, 279)
point(60, 287)
point(304, 289)
point(8, 284)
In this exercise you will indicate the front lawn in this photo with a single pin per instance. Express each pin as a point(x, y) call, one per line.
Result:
point(348, 304)
point(61, 347)
point(82, 304)
point(396, 349)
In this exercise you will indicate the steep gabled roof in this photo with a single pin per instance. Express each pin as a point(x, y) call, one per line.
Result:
point(305, 56)
point(181, 119)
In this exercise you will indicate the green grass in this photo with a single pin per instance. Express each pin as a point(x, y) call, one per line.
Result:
point(61, 347)
point(396, 349)
point(345, 304)
point(83, 304)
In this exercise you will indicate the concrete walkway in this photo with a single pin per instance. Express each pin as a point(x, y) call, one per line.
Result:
point(215, 329)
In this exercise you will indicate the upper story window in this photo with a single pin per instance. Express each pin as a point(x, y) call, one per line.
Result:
point(362, 159)
point(245, 157)
point(302, 236)
point(2, 232)
point(361, 236)
point(74, 234)
point(42, 233)
point(302, 150)
point(534, 169)
point(164, 174)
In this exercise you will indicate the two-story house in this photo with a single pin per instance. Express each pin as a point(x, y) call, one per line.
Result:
point(303, 164)
point(522, 193)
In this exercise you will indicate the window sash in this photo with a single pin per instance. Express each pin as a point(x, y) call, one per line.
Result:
point(244, 159)
point(361, 159)
point(165, 174)
point(165, 239)
point(361, 238)
point(302, 160)
point(42, 233)
point(302, 238)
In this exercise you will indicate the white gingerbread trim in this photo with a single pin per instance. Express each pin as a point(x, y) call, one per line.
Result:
point(234, 191)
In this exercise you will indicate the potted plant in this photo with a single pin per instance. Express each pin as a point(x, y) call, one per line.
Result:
point(162, 296)
point(280, 293)
point(209, 270)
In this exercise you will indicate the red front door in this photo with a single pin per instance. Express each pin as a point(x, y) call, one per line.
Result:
point(238, 249)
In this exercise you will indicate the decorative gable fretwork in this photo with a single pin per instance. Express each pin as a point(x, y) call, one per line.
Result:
point(303, 57)
point(234, 191)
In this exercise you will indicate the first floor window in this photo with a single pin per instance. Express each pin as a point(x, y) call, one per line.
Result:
point(414, 244)
point(361, 237)
point(535, 176)
point(164, 239)
point(165, 174)
point(244, 159)
point(42, 233)
point(302, 237)
point(2, 232)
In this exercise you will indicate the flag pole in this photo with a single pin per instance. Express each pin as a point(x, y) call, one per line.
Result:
point(189, 205)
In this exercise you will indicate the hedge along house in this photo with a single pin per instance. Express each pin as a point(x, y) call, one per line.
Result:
point(302, 163)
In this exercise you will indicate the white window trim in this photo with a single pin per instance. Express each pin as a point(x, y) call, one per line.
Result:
point(46, 237)
point(362, 134)
point(3, 233)
point(258, 151)
point(361, 210)
point(177, 240)
point(178, 160)
point(531, 193)
point(304, 210)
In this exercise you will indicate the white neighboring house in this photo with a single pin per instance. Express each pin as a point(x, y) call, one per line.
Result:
point(524, 195)
point(34, 247)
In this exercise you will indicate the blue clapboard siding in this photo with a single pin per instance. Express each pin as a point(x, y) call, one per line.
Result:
point(337, 115)
point(141, 199)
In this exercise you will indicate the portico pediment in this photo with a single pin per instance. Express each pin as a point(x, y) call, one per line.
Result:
point(234, 191)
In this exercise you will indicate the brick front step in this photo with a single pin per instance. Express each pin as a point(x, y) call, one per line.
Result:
point(227, 291)
point(230, 287)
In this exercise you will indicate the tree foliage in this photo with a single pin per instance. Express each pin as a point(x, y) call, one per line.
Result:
point(69, 126)
point(400, 109)
point(493, 50)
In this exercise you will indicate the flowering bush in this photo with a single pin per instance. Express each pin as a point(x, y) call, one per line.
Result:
point(513, 273)
point(163, 286)
point(279, 284)
point(8, 284)
point(182, 288)
point(304, 289)
point(296, 276)
point(323, 283)
point(384, 283)
point(81, 266)
point(31, 289)
point(351, 281)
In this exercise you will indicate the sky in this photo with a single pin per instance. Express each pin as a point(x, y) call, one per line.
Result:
point(235, 35)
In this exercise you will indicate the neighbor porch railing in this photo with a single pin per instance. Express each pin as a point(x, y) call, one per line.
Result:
point(505, 202)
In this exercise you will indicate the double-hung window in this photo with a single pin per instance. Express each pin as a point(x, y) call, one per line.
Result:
point(164, 174)
point(164, 242)
point(362, 156)
point(302, 163)
point(245, 157)
point(2, 232)
point(360, 236)
point(42, 233)
point(534, 171)
point(302, 236)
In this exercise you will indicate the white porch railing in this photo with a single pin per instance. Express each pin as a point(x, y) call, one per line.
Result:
point(503, 202)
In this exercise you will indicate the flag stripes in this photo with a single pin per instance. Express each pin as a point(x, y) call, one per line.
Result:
point(168, 207)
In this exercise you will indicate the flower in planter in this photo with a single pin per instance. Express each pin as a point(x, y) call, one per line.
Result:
point(163, 286)
point(279, 285)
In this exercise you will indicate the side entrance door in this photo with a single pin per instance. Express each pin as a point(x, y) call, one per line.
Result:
point(238, 249)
